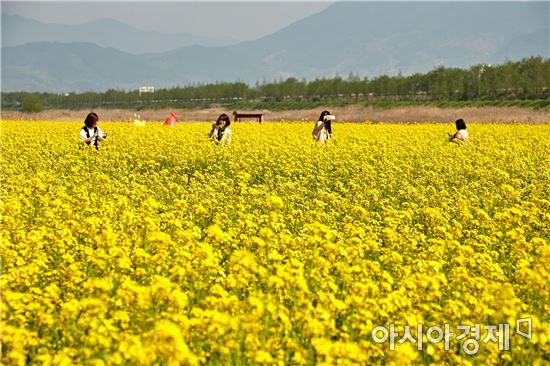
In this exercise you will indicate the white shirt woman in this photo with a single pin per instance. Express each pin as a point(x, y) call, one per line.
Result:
point(90, 134)
point(461, 135)
point(322, 129)
point(320, 133)
point(91, 138)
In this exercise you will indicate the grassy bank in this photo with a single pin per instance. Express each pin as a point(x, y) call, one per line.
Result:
point(288, 105)
point(538, 104)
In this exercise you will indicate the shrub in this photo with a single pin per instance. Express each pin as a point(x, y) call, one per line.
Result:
point(32, 103)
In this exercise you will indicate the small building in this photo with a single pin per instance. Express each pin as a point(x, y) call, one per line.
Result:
point(146, 89)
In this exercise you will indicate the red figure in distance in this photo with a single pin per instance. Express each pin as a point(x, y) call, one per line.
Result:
point(170, 121)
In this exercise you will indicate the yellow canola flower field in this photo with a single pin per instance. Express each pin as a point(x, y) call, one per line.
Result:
point(164, 248)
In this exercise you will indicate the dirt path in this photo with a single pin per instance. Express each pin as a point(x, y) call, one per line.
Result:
point(349, 114)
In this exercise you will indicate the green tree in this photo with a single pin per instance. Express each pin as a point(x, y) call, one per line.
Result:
point(32, 103)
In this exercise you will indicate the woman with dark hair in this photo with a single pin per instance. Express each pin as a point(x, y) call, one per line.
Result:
point(322, 130)
point(213, 134)
point(90, 134)
point(220, 131)
point(461, 134)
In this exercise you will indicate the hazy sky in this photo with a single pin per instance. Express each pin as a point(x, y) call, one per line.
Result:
point(240, 20)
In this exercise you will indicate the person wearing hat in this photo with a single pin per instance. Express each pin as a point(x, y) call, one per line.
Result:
point(224, 133)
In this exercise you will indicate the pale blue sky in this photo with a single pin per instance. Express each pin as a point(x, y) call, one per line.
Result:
point(239, 20)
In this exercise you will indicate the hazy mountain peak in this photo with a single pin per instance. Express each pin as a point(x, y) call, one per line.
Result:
point(18, 30)
point(366, 38)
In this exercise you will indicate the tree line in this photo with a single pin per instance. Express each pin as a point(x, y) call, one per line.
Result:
point(526, 79)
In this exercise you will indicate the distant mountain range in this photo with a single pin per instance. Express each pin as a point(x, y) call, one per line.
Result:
point(17, 30)
point(368, 38)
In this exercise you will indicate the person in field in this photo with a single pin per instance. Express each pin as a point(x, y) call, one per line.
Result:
point(170, 121)
point(461, 135)
point(91, 134)
point(322, 130)
point(213, 134)
point(138, 121)
point(220, 131)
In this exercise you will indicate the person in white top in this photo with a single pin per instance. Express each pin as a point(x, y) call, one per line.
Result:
point(322, 130)
point(213, 134)
point(222, 133)
point(90, 134)
point(461, 135)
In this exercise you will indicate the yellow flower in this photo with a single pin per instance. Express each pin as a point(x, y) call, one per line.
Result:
point(154, 251)
point(275, 202)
